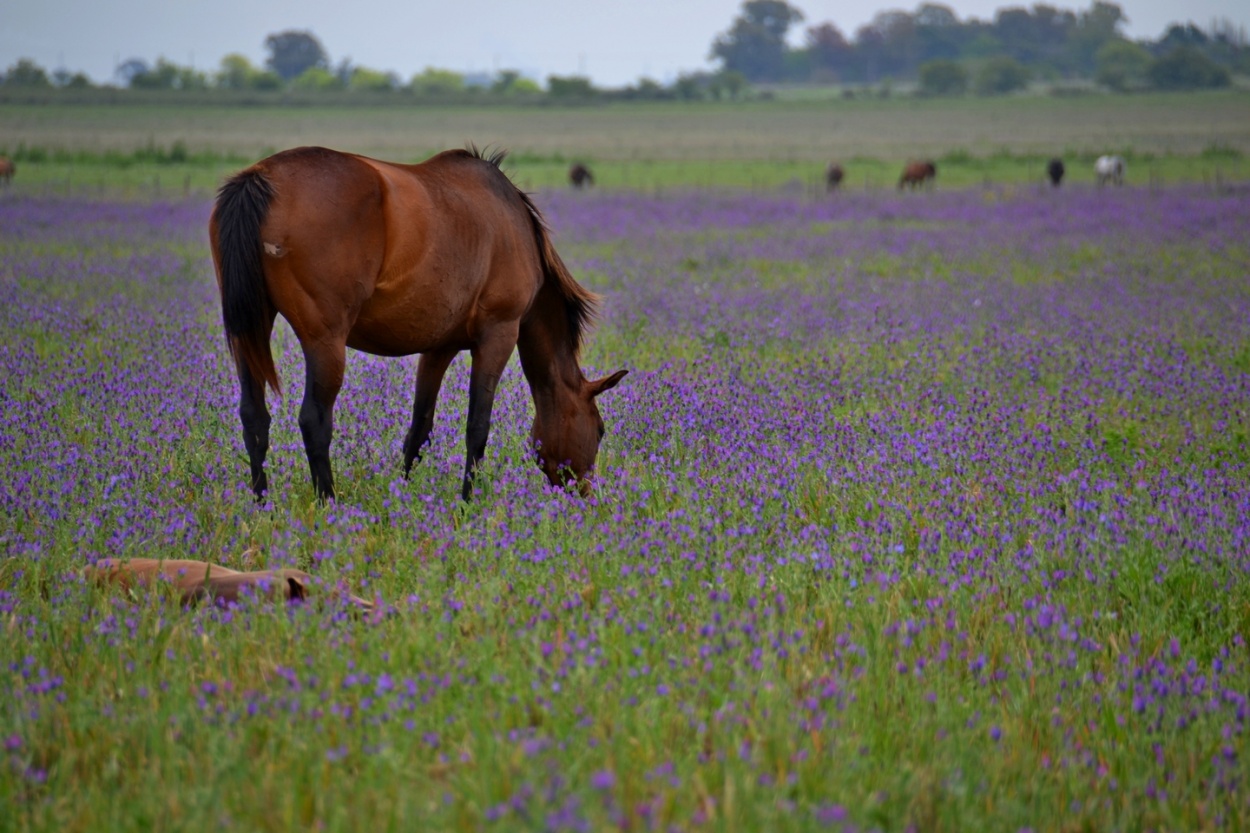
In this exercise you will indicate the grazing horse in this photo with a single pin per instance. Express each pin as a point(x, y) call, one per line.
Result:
point(1054, 170)
point(391, 259)
point(834, 176)
point(580, 175)
point(918, 174)
point(1109, 169)
point(7, 169)
point(198, 580)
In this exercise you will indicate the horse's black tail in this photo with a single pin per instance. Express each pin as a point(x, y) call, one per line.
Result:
point(246, 310)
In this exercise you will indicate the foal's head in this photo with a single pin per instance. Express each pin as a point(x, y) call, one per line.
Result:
point(567, 441)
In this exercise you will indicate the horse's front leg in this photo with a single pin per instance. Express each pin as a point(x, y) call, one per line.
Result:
point(325, 361)
point(490, 357)
point(430, 371)
point(254, 415)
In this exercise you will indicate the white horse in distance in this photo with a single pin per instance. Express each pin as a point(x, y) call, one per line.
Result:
point(1109, 169)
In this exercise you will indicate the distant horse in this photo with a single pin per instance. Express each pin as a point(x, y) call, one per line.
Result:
point(392, 259)
point(1109, 169)
point(834, 176)
point(580, 175)
point(918, 174)
point(7, 169)
point(1054, 170)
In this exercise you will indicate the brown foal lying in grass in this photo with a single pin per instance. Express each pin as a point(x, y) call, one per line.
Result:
point(199, 580)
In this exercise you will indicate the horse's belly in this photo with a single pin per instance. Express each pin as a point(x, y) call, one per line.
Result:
point(415, 322)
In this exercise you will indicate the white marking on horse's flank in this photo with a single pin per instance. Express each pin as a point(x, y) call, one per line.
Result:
point(273, 249)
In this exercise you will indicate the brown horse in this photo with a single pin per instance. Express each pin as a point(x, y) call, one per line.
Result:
point(7, 169)
point(391, 259)
point(198, 580)
point(918, 174)
point(834, 176)
point(580, 175)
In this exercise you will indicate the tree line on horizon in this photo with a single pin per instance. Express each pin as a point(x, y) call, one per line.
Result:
point(943, 54)
point(930, 48)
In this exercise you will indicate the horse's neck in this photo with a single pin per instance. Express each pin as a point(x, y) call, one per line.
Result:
point(547, 355)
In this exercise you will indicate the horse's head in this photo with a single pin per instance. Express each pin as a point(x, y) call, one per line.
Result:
point(567, 441)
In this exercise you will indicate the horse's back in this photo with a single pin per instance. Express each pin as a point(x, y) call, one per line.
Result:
point(464, 251)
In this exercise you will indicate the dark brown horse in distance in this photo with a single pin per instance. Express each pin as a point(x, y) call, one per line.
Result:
point(918, 174)
point(1054, 170)
point(7, 169)
point(196, 581)
point(580, 176)
point(392, 259)
point(834, 176)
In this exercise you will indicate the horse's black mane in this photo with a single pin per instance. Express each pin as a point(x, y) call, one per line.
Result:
point(486, 154)
point(579, 303)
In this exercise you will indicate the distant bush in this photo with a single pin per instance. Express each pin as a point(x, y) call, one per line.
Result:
point(371, 80)
point(1121, 64)
point(26, 73)
point(437, 82)
point(1001, 75)
point(71, 80)
point(943, 77)
point(1187, 68)
point(237, 73)
point(318, 79)
point(510, 82)
point(571, 86)
point(728, 83)
point(646, 89)
point(167, 75)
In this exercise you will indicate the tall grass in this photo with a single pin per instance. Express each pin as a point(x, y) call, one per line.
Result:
point(915, 512)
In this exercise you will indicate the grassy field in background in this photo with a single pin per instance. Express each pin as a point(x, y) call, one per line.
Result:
point(768, 144)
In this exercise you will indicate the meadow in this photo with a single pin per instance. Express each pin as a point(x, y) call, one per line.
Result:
point(916, 511)
point(154, 151)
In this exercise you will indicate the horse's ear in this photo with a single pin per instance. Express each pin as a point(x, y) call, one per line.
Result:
point(606, 383)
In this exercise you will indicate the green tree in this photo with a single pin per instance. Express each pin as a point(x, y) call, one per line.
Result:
point(943, 77)
point(26, 73)
point(572, 86)
point(1121, 64)
point(510, 82)
point(368, 80)
point(77, 81)
point(292, 53)
point(317, 79)
point(236, 72)
point(755, 44)
point(1187, 68)
point(828, 50)
point(1094, 28)
point(437, 82)
point(1000, 75)
point(690, 86)
point(167, 75)
point(726, 84)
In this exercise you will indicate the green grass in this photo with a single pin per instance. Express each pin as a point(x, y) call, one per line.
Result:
point(117, 174)
point(540, 630)
point(1166, 138)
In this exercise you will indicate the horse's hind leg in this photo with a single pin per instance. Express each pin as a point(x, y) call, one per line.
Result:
point(254, 415)
point(325, 361)
point(430, 371)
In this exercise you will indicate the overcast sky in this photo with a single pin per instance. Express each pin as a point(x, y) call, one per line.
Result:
point(615, 42)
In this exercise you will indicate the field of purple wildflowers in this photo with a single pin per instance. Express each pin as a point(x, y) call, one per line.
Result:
point(920, 511)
